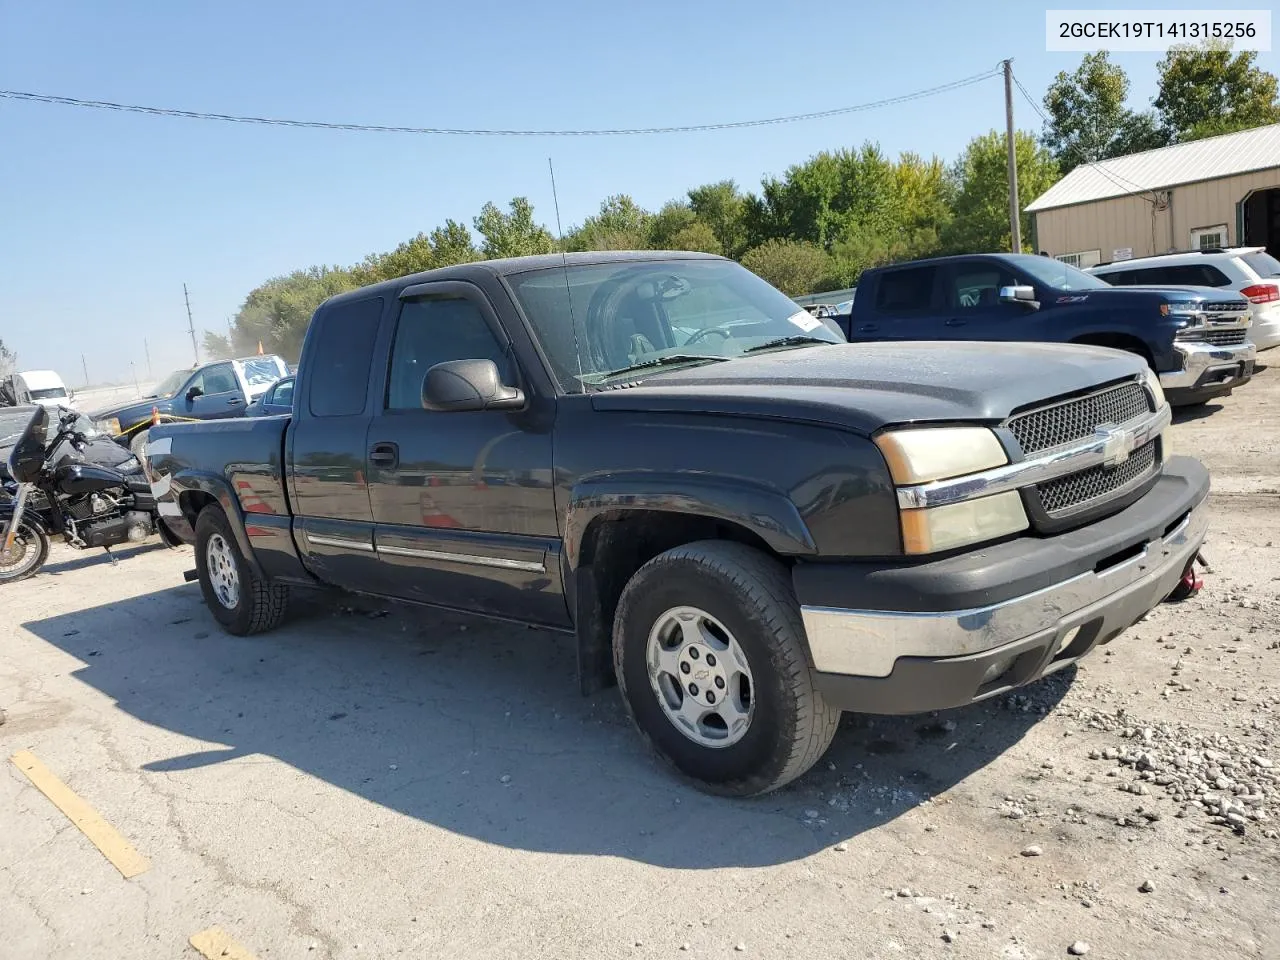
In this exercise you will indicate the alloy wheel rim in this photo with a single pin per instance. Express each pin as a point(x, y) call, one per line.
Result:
point(224, 574)
point(701, 677)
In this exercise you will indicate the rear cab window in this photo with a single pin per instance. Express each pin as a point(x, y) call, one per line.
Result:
point(906, 292)
point(343, 357)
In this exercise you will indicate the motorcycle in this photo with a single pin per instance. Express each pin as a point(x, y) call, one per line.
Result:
point(54, 486)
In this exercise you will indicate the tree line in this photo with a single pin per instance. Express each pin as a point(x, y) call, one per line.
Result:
point(824, 221)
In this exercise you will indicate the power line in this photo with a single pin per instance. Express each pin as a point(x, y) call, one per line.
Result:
point(464, 132)
point(1034, 106)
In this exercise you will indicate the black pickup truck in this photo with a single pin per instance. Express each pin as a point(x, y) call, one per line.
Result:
point(750, 523)
point(1195, 338)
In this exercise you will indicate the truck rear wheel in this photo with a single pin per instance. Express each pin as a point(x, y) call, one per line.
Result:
point(709, 651)
point(241, 601)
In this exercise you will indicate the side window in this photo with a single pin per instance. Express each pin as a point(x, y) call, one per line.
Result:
point(434, 331)
point(282, 394)
point(219, 378)
point(977, 286)
point(343, 357)
point(906, 291)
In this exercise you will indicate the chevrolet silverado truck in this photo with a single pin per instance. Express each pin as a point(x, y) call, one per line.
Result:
point(224, 388)
point(1195, 338)
point(749, 523)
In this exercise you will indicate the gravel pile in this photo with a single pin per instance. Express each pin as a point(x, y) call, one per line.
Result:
point(1232, 782)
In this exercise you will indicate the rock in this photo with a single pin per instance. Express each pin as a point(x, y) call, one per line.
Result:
point(394, 766)
point(1078, 949)
point(1087, 904)
point(949, 936)
point(505, 778)
point(1032, 851)
point(841, 847)
point(684, 947)
point(1262, 762)
point(1147, 887)
point(741, 948)
point(905, 892)
point(811, 814)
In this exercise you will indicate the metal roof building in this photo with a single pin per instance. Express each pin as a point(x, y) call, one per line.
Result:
point(1220, 191)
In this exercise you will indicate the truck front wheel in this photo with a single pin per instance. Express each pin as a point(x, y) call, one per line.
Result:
point(241, 601)
point(709, 651)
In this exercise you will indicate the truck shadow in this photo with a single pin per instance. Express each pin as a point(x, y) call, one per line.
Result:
point(479, 729)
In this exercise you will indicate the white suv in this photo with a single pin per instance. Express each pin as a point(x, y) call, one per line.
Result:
point(1250, 271)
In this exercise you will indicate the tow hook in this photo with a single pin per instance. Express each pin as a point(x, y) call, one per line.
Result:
point(1191, 582)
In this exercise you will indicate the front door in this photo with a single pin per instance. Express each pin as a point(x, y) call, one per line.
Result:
point(973, 310)
point(463, 502)
point(212, 393)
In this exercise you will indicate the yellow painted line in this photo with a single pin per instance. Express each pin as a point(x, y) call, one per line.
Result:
point(87, 820)
point(216, 944)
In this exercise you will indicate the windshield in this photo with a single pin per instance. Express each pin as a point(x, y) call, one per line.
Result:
point(52, 393)
point(658, 313)
point(1055, 273)
point(1263, 264)
point(261, 371)
point(170, 384)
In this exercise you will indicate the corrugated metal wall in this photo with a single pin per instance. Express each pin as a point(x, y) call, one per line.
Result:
point(1110, 225)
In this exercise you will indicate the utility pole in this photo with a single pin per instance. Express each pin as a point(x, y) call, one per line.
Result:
point(1015, 225)
point(85, 367)
point(147, 350)
point(132, 370)
point(192, 326)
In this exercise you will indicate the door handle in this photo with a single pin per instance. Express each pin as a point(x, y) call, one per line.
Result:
point(385, 455)
point(955, 322)
point(234, 402)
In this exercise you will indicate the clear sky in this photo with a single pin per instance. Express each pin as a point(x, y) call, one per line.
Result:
point(104, 216)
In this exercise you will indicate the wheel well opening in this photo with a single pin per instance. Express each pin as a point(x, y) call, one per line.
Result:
point(1118, 341)
point(192, 502)
point(616, 545)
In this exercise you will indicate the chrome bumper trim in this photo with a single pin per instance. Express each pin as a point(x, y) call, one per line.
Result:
point(1200, 357)
point(868, 643)
point(1105, 446)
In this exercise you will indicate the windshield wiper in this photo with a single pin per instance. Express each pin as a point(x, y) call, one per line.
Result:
point(665, 361)
point(792, 341)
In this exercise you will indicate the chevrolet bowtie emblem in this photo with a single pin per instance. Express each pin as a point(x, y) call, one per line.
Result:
point(1117, 444)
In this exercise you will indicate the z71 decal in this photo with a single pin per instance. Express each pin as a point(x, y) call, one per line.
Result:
point(1079, 299)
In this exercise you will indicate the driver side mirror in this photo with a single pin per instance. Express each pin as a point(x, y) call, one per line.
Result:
point(1019, 294)
point(193, 393)
point(461, 385)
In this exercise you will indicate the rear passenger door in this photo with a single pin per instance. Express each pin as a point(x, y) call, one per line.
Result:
point(904, 306)
point(328, 477)
point(463, 502)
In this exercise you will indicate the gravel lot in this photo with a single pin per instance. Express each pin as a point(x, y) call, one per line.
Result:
point(376, 781)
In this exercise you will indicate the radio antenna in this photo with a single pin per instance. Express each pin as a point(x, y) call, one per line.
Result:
point(564, 263)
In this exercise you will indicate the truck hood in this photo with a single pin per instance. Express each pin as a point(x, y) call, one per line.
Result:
point(131, 411)
point(867, 386)
point(1157, 295)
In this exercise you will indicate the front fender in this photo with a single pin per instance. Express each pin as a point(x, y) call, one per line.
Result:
point(30, 516)
point(767, 513)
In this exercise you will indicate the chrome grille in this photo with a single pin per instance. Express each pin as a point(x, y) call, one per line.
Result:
point(1226, 306)
point(1226, 338)
point(1080, 490)
point(1075, 420)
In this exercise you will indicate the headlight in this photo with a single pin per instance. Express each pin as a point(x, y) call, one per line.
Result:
point(1183, 309)
point(940, 453)
point(110, 426)
point(958, 524)
point(1152, 380)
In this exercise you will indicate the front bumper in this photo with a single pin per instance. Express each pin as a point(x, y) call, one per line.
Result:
point(1070, 593)
point(1208, 371)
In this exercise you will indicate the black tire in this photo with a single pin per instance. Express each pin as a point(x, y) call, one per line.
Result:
point(138, 445)
point(32, 538)
point(259, 604)
point(751, 595)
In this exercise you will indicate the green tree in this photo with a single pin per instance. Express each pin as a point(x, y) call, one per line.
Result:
point(1088, 119)
point(1207, 90)
point(697, 236)
point(794, 267)
point(722, 208)
point(621, 224)
point(277, 313)
point(513, 234)
point(452, 244)
point(668, 223)
point(7, 360)
point(981, 223)
point(215, 346)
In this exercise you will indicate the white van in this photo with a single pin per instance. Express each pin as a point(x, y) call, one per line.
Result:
point(43, 387)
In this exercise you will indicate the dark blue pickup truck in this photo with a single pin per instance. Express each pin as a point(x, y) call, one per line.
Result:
point(1195, 338)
